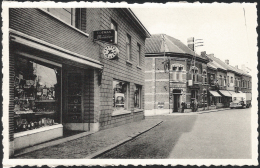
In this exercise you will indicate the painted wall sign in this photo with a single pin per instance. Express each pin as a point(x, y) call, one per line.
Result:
point(160, 105)
point(108, 36)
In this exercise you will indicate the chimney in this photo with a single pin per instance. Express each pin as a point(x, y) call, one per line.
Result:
point(190, 42)
point(236, 66)
point(203, 54)
point(227, 61)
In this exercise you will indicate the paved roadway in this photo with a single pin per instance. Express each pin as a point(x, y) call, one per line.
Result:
point(213, 135)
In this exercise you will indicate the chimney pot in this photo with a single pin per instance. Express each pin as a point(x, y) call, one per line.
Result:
point(203, 53)
point(227, 61)
point(236, 66)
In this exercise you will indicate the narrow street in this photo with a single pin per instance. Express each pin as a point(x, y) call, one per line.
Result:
point(213, 135)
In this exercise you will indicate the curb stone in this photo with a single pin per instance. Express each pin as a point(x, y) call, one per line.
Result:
point(109, 148)
point(51, 143)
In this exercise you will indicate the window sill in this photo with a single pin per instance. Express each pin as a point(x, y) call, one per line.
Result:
point(139, 67)
point(129, 62)
point(85, 34)
point(120, 112)
point(138, 110)
point(34, 131)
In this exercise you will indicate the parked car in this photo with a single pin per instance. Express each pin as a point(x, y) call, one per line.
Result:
point(241, 100)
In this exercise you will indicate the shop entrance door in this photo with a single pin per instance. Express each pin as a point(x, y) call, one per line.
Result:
point(176, 99)
point(176, 102)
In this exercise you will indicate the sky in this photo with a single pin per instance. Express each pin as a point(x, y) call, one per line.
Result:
point(221, 26)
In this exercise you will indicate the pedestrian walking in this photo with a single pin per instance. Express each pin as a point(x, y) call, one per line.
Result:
point(192, 106)
point(195, 105)
point(182, 107)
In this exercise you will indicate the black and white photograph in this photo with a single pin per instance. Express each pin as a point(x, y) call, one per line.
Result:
point(117, 84)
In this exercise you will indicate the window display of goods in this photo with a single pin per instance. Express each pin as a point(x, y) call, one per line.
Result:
point(37, 90)
point(27, 124)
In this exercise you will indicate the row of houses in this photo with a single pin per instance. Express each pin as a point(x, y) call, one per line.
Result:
point(88, 69)
point(188, 77)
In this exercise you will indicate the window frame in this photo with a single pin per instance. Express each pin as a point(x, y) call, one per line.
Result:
point(126, 99)
point(139, 89)
point(71, 25)
point(128, 47)
point(138, 54)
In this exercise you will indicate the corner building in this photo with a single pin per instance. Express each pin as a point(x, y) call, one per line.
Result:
point(186, 81)
point(60, 79)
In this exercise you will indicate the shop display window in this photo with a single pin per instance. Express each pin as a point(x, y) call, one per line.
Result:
point(120, 96)
point(74, 97)
point(37, 87)
point(137, 96)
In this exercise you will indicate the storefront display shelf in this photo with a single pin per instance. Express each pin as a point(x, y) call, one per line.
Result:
point(24, 112)
point(73, 113)
point(25, 99)
point(44, 112)
point(44, 101)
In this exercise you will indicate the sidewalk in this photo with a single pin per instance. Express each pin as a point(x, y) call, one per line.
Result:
point(88, 146)
point(168, 112)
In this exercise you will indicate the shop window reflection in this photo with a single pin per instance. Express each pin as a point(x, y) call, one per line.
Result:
point(36, 94)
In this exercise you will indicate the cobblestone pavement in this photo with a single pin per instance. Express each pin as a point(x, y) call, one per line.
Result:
point(210, 135)
point(156, 143)
point(82, 147)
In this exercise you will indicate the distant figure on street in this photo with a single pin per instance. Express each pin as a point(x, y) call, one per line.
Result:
point(192, 106)
point(195, 105)
point(182, 107)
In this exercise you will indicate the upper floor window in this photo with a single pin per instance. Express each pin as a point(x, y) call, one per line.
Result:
point(71, 16)
point(231, 81)
point(194, 70)
point(138, 54)
point(177, 72)
point(211, 79)
point(204, 75)
point(220, 80)
point(114, 25)
point(225, 81)
point(128, 47)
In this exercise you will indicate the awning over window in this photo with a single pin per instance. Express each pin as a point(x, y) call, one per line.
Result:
point(231, 92)
point(34, 43)
point(214, 93)
point(225, 93)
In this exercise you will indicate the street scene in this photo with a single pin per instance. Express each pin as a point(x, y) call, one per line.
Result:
point(206, 135)
point(175, 82)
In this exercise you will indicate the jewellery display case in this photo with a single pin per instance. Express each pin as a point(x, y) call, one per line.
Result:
point(74, 97)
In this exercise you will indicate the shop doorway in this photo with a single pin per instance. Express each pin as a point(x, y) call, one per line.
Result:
point(176, 99)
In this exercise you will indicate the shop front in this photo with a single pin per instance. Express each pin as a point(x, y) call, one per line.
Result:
point(226, 96)
point(50, 91)
point(214, 99)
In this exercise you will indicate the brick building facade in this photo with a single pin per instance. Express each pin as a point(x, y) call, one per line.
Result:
point(60, 79)
point(208, 80)
point(184, 83)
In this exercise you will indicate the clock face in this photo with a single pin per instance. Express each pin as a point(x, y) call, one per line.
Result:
point(110, 52)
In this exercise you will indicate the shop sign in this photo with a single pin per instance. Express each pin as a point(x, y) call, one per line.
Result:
point(107, 36)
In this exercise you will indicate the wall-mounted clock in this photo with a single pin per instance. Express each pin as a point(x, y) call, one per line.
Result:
point(110, 52)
